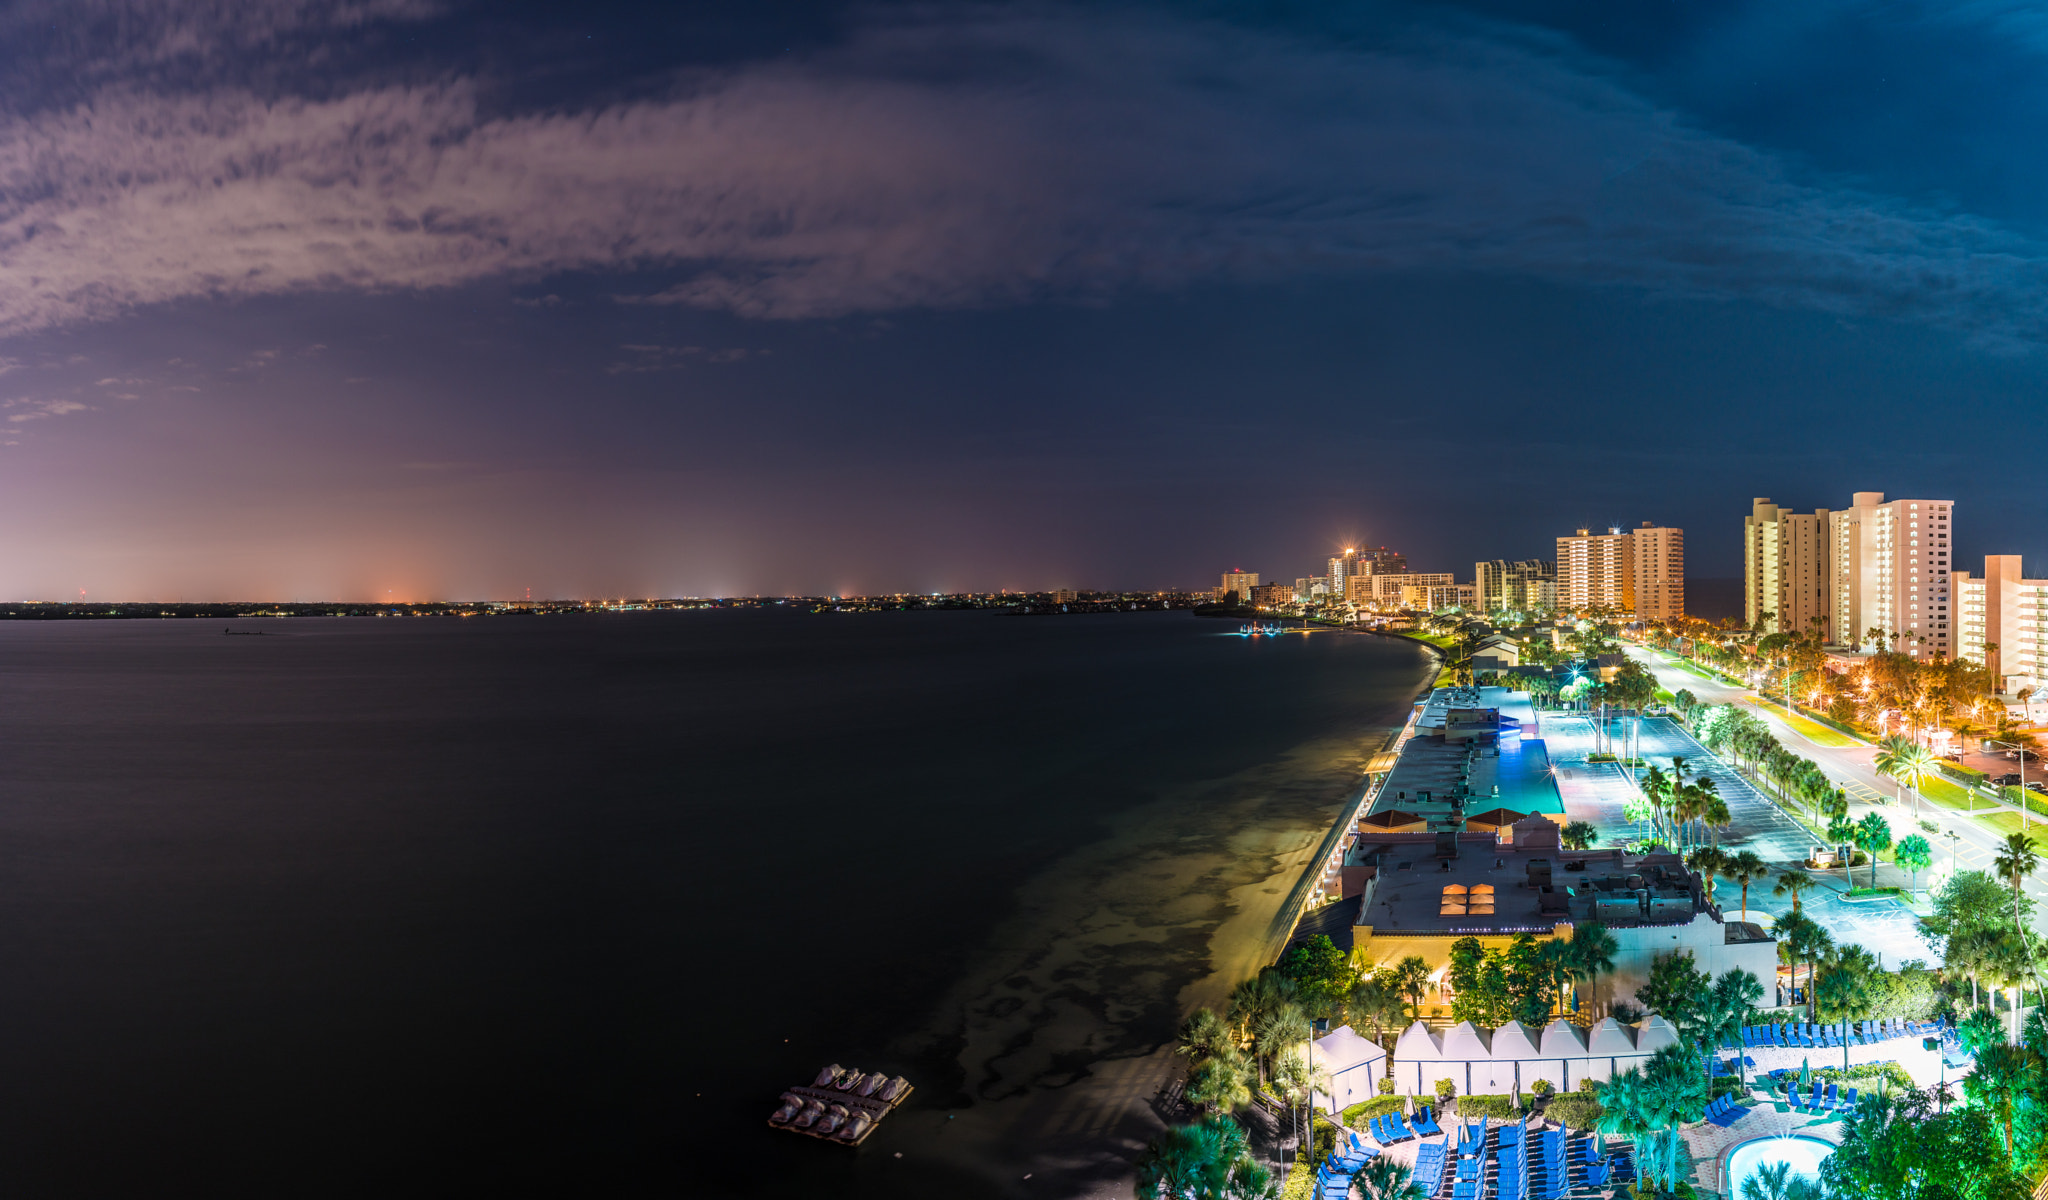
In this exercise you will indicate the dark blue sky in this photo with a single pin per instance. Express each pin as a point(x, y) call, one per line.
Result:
point(409, 298)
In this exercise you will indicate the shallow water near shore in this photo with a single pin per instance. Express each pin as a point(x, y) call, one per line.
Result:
point(547, 902)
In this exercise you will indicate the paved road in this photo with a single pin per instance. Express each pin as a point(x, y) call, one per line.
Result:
point(1973, 845)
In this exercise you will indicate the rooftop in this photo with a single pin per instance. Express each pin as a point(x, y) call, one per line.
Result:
point(1491, 888)
point(1499, 763)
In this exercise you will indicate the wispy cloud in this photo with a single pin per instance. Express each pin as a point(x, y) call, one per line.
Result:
point(1084, 153)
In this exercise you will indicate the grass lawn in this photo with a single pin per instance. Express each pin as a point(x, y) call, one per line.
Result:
point(2009, 822)
point(1950, 794)
point(1812, 731)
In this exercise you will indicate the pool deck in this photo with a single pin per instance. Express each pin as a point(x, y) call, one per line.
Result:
point(1711, 1144)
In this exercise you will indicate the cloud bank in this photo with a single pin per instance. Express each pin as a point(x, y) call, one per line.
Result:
point(971, 157)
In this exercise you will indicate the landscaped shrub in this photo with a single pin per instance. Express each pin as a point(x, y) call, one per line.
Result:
point(1486, 1106)
point(1379, 1106)
point(1578, 1110)
point(1445, 1089)
point(1386, 1087)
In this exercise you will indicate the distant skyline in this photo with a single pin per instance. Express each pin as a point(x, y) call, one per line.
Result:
point(420, 299)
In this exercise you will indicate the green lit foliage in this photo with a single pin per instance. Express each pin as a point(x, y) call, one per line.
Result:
point(1902, 1146)
point(1914, 854)
point(1322, 974)
point(1210, 1159)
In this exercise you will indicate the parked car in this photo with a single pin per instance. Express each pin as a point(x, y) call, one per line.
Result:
point(2012, 780)
point(1954, 758)
point(2035, 785)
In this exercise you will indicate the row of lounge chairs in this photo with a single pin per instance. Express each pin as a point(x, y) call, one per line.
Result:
point(1333, 1178)
point(1471, 1176)
point(1838, 1033)
point(1819, 1101)
point(1513, 1171)
point(1550, 1164)
point(1724, 1111)
point(1391, 1128)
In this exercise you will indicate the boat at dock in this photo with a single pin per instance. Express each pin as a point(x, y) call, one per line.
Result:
point(840, 1105)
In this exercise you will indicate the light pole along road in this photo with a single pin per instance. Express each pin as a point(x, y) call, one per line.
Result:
point(1974, 844)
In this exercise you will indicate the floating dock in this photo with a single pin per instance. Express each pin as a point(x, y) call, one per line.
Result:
point(840, 1105)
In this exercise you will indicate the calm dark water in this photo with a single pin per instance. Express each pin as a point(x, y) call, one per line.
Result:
point(531, 905)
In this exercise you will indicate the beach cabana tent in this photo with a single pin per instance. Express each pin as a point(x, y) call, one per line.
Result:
point(1355, 1064)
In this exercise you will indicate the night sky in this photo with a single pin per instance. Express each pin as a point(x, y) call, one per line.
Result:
point(319, 299)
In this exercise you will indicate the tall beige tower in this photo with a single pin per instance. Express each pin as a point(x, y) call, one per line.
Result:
point(1659, 570)
point(1890, 570)
point(1785, 567)
point(1596, 570)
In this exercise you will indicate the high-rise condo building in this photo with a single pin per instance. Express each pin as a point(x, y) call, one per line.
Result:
point(1384, 561)
point(1888, 571)
point(1785, 560)
point(1596, 570)
point(1660, 571)
point(1999, 622)
point(1241, 582)
point(1341, 567)
point(1518, 586)
point(1436, 588)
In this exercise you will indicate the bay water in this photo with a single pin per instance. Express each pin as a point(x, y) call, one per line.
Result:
point(561, 904)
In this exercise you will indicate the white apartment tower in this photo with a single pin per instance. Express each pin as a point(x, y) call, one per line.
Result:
point(1596, 570)
point(1785, 567)
point(1659, 554)
point(1241, 582)
point(1889, 571)
point(2004, 610)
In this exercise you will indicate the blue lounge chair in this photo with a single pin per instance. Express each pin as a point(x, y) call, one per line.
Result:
point(1848, 1103)
point(1425, 1124)
point(1829, 1100)
point(1814, 1103)
point(1399, 1128)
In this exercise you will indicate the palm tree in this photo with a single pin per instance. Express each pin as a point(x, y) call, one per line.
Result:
point(1767, 1182)
point(1805, 942)
point(2016, 859)
point(1374, 1000)
point(1843, 992)
point(1252, 999)
point(1182, 1161)
point(1204, 1035)
point(1218, 1085)
point(1277, 1031)
point(1792, 883)
point(1744, 867)
point(1385, 1179)
point(1412, 979)
point(2002, 1074)
point(1874, 834)
point(1707, 861)
point(1580, 835)
point(1713, 810)
point(1907, 761)
point(1591, 952)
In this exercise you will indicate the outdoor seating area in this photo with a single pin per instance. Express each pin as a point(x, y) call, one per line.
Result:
point(1724, 1111)
point(1817, 1099)
point(1835, 1034)
point(1333, 1178)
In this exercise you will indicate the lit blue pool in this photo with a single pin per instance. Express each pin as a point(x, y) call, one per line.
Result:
point(1804, 1153)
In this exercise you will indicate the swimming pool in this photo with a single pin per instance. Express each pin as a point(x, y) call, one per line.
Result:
point(1804, 1153)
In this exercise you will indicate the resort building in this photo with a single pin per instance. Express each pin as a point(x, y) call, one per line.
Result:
point(1420, 892)
point(1889, 572)
point(1241, 582)
point(1999, 622)
point(1659, 554)
point(1272, 595)
point(1785, 560)
point(1596, 570)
